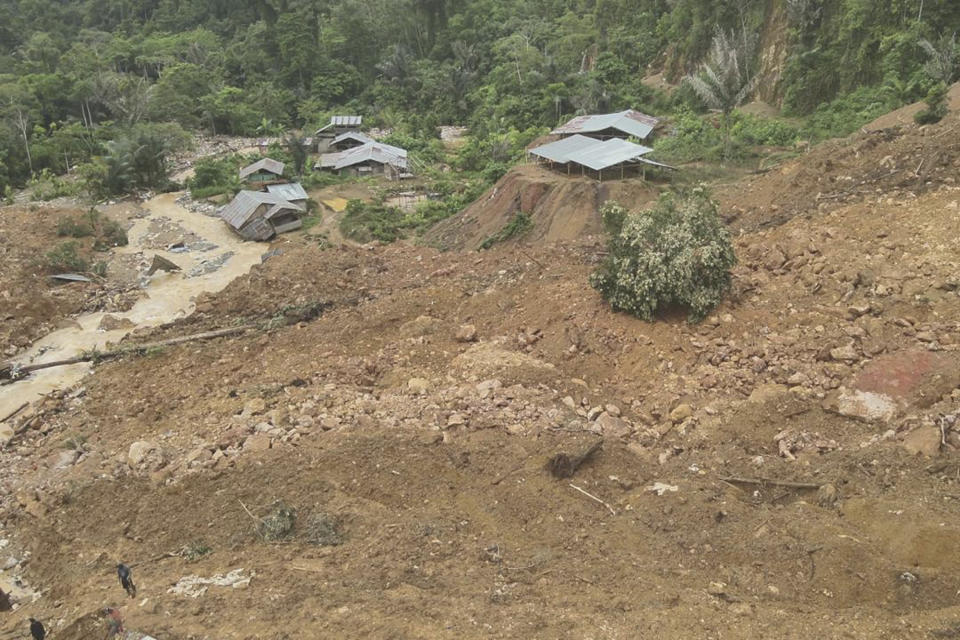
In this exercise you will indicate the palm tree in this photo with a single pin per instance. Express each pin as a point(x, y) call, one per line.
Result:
point(726, 79)
point(944, 55)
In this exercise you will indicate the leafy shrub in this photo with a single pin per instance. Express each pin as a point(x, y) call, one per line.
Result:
point(676, 253)
point(519, 224)
point(279, 524)
point(324, 529)
point(65, 258)
point(195, 550)
point(936, 106)
point(74, 228)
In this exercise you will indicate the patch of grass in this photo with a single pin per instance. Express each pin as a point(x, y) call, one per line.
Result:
point(195, 550)
point(75, 441)
point(279, 524)
point(74, 228)
point(518, 225)
point(324, 529)
point(65, 257)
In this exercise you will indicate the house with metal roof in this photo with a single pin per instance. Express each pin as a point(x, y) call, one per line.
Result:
point(263, 171)
point(291, 192)
point(349, 140)
point(337, 126)
point(258, 215)
point(589, 156)
point(623, 124)
point(372, 158)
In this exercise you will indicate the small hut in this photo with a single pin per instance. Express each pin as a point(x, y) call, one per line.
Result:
point(257, 215)
point(372, 158)
point(291, 192)
point(262, 172)
point(338, 125)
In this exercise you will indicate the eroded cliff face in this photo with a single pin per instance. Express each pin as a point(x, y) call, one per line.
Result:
point(773, 49)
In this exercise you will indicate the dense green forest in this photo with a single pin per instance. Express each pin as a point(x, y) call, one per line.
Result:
point(83, 80)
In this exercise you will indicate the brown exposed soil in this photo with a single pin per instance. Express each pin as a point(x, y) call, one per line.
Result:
point(738, 492)
point(31, 303)
point(562, 208)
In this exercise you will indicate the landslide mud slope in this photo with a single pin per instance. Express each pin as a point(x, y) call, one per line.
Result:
point(561, 208)
point(787, 469)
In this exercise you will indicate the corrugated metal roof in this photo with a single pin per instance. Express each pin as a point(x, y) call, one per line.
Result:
point(375, 151)
point(561, 150)
point(630, 122)
point(267, 164)
point(246, 203)
point(290, 192)
point(346, 121)
point(352, 135)
point(609, 153)
point(341, 121)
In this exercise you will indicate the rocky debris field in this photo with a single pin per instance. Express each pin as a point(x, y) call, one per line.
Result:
point(373, 459)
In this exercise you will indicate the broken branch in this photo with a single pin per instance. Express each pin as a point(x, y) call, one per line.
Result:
point(594, 498)
point(773, 483)
point(564, 465)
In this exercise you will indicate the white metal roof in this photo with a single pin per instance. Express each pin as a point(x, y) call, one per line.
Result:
point(267, 164)
point(630, 122)
point(342, 121)
point(352, 135)
point(561, 150)
point(609, 153)
point(245, 204)
point(291, 192)
point(592, 153)
point(375, 151)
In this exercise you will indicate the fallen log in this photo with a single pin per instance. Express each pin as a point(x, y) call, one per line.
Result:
point(9, 372)
point(564, 465)
point(772, 483)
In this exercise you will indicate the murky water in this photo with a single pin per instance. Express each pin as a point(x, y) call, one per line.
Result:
point(168, 296)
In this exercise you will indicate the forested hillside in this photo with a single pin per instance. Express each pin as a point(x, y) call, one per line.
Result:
point(79, 74)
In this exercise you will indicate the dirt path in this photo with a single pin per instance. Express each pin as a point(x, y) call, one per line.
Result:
point(168, 296)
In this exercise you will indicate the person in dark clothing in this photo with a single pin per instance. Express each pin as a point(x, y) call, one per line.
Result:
point(126, 580)
point(37, 630)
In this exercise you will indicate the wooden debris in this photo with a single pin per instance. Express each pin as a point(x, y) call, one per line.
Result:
point(564, 465)
point(773, 483)
point(7, 370)
point(162, 264)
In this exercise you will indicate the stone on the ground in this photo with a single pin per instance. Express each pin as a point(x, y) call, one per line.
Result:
point(466, 333)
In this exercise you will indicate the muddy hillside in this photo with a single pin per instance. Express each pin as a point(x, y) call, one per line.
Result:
point(378, 455)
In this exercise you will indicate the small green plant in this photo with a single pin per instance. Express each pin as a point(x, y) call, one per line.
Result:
point(74, 441)
point(65, 258)
point(195, 550)
point(324, 529)
point(936, 106)
point(678, 253)
point(279, 524)
point(74, 228)
point(519, 224)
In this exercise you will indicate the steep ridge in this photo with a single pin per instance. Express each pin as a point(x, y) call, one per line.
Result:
point(561, 208)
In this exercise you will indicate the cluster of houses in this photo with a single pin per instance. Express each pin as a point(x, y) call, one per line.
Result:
point(271, 205)
point(594, 144)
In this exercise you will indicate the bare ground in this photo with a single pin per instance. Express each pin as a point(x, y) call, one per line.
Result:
point(430, 449)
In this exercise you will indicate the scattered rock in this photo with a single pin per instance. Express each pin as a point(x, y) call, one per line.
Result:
point(466, 333)
point(613, 426)
point(862, 405)
point(257, 442)
point(846, 353)
point(142, 453)
point(254, 407)
point(418, 386)
point(6, 434)
point(681, 412)
point(923, 440)
point(660, 488)
point(456, 420)
point(66, 459)
point(113, 323)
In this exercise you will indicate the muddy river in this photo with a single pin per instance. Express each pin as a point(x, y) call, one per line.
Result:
point(166, 297)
